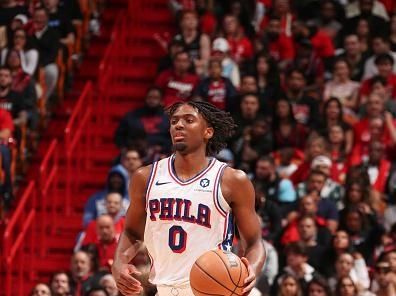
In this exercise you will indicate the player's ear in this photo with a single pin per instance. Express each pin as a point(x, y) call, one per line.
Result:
point(209, 132)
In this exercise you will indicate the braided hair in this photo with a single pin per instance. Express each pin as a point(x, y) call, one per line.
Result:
point(221, 122)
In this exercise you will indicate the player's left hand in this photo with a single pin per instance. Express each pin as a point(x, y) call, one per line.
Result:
point(250, 281)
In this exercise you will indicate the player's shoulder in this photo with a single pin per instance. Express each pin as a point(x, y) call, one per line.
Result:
point(143, 173)
point(234, 177)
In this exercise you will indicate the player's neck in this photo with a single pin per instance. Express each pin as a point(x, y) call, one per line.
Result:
point(189, 165)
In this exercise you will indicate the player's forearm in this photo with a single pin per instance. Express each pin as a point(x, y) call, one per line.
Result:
point(256, 255)
point(128, 247)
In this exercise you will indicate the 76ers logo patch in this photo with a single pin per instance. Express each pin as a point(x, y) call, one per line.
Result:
point(204, 183)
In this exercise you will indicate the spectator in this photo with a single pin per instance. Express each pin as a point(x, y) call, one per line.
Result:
point(256, 141)
point(109, 284)
point(314, 146)
point(279, 45)
point(392, 36)
point(327, 208)
point(355, 268)
point(282, 10)
point(195, 43)
point(41, 290)
point(117, 181)
point(97, 291)
point(365, 7)
point(241, 48)
point(46, 40)
point(9, 9)
point(364, 34)
point(113, 203)
point(13, 101)
point(221, 52)
point(249, 111)
point(311, 65)
point(275, 189)
point(338, 155)
point(333, 115)
point(346, 287)
point(380, 45)
point(328, 20)
point(355, 56)
point(308, 233)
point(287, 132)
point(385, 279)
point(131, 159)
point(305, 108)
point(216, 89)
point(60, 21)
point(29, 56)
point(342, 87)
point(146, 124)
point(270, 216)
point(106, 241)
point(384, 63)
point(25, 85)
point(60, 284)
point(177, 84)
point(289, 286)
point(377, 24)
point(83, 279)
point(318, 286)
point(296, 266)
point(175, 46)
point(270, 269)
point(308, 207)
point(268, 81)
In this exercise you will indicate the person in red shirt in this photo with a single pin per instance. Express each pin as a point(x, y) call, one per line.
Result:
point(106, 242)
point(280, 46)
point(384, 63)
point(114, 210)
point(377, 125)
point(241, 48)
point(216, 89)
point(6, 129)
point(178, 83)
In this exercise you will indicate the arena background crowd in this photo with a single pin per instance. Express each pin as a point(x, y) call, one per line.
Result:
point(312, 88)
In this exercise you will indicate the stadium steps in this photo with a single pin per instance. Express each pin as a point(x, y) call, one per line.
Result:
point(136, 76)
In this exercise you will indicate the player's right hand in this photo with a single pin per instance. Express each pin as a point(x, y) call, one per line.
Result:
point(126, 283)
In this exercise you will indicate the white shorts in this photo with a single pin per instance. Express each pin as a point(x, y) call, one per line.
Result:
point(177, 290)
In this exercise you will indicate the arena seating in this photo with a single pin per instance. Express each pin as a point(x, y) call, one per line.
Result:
point(74, 154)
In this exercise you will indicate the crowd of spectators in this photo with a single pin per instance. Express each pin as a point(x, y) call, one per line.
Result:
point(312, 88)
point(38, 39)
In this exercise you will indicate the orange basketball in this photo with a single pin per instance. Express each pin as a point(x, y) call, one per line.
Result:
point(218, 272)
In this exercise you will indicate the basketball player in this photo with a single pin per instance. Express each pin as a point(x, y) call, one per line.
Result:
point(185, 205)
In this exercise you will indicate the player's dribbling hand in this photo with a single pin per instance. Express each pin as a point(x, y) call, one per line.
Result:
point(250, 281)
point(126, 283)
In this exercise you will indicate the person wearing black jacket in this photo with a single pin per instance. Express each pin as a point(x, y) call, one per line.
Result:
point(146, 125)
point(217, 89)
point(46, 40)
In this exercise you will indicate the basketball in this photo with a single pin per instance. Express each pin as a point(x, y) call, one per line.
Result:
point(218, 272)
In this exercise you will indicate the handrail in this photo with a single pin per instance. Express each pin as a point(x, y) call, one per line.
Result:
point(15, 236)
point(77, 142)
point(48, 177)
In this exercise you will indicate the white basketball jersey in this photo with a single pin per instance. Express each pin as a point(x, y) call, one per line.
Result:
point(184, 220)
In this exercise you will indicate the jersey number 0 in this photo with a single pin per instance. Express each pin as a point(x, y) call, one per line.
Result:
point(177, 239)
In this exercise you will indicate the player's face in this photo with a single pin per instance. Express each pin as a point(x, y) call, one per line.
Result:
point(188, 129)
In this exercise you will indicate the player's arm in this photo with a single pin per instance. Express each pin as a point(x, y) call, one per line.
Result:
point(132, 236)
point(239, 192)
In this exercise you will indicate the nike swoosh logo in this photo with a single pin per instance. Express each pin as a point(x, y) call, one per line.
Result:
point(158, 183)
